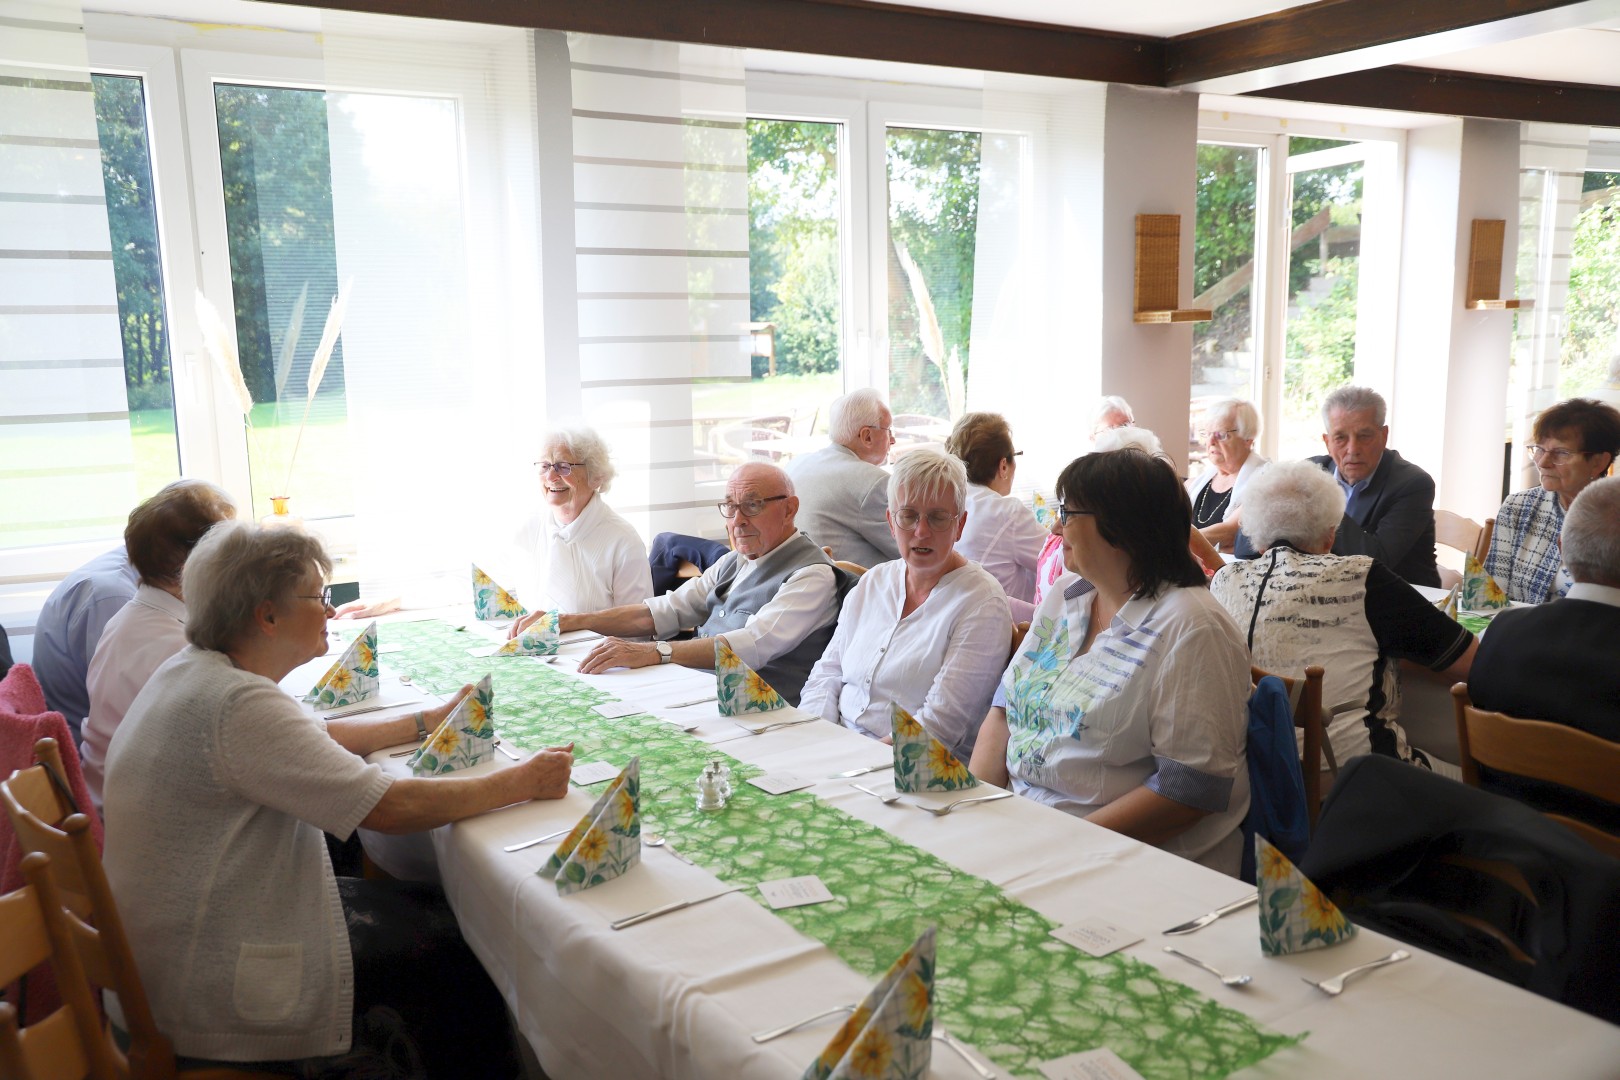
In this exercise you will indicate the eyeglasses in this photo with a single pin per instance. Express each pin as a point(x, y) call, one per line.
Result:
point(561, 468)
point(906, 519)
point(1065, 513)
point(325, 597)
point(1558, 454)
point(752, 506)
point(1217, 436)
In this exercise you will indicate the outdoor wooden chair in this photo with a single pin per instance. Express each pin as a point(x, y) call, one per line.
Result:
point(1540, 750)
point(69, 1043)
point(46, 822)
point(1305, 697)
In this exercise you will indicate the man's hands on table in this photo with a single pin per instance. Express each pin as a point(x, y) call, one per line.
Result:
point(615, 652)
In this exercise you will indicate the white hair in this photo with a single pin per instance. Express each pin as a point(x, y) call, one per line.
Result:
point(1591, 535)
point(1244, 416)
point(1353, 399)
point(929, 470)
point(1113, 405)
point(1120, 438)
point(855, 410)
point(1292, 501)
point(237, 566)
point(588, 449)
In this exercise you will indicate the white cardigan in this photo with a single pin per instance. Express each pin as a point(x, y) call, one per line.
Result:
point(1251, 465)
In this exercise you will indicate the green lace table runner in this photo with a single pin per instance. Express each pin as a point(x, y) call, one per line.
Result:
point(1002, 983)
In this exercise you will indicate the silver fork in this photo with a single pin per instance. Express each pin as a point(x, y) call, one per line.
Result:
point(777, 1033)
point(941, 811)
point(1335, 985)
point(747, 732)
point(1229, 980)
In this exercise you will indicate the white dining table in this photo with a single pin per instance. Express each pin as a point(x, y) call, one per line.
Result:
point(679, 996)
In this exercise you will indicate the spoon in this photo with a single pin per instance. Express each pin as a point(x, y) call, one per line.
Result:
point(1228, 980)
point(652, 839)
point(886, 800)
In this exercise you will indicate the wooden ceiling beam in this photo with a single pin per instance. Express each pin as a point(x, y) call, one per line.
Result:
point(1336, 37)
point(858, 28)
point(1459, 93)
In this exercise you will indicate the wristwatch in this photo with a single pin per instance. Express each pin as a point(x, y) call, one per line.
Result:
point(665, 653)
point(421, 726)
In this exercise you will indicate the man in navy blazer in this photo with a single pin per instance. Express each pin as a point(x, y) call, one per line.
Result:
point(1556, 661)
point(1389, 508)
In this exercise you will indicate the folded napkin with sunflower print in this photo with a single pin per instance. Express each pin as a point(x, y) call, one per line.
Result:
point(352, 678)
point(607, 840)
point(1294, 914)
point(889, 1036)
point(490, 601)
point(922, 762)
point(739, 688)
point(466, 738)
point(1479, 592)
point(540, 638)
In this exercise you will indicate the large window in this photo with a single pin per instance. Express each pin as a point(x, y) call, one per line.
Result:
point(1224, 265)
point(1589, 357)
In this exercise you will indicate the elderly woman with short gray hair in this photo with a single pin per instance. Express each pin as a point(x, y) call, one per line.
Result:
point(1229, 429)
point(589, 557)
point(1299, 604)
point(928, 631)
point(218, 788)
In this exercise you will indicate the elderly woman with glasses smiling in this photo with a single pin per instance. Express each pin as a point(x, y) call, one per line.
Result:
point(589, 556)
point(1126, 703)
point(219, 785)
point(927, 631)
point(1575, 443)
point(1229, 429)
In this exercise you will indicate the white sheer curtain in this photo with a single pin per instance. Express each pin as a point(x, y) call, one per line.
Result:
point(67, 466)
point(435, 202)
point(1035, 272)
point(661, 191)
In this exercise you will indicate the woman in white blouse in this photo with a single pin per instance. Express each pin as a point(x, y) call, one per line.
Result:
point(1230, 427)
point(928, 631)
point(152, 626)
point(1001, 533)
point(589, 557)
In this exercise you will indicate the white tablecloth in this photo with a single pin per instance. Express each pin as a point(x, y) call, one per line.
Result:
point(679, 996)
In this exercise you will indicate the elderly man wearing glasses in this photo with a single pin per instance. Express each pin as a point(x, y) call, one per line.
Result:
point(775, 597)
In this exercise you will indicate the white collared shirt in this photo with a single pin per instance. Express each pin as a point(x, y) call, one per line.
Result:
point(1003, 536)
point(595, 562)
point(807, 600)
point(941, 663)
point(145, 632)
point(1602, 594)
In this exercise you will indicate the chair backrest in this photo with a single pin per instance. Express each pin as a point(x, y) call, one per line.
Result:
point(69, 1042)
point(1483, 547)
point(1018, 631)
point(1305, 697)
point(1540, 750)
point(1456, 531)
point(35, 799)
point(854, 569)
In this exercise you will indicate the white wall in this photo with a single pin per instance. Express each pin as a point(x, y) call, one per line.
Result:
point(1150, 148)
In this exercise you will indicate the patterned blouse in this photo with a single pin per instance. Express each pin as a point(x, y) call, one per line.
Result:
point(1524, 557)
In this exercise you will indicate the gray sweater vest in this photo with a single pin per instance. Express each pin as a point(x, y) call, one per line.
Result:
point(734, 607)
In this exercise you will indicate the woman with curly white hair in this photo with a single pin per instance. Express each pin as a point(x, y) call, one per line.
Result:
point(589, 557)
point(1299, 604)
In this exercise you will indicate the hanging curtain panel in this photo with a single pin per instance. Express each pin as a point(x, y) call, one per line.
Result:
point(661, 234)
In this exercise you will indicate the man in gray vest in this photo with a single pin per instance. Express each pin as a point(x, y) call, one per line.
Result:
point(775, 596)
point(845, 496)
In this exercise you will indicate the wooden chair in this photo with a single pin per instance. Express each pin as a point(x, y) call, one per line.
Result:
point(46, 821)
point(849, 568)
point(69, 1042)
point(1018, 631)
point(1305, 695)
point(1483, 547)
point(1540, 750)
point(1460, 534)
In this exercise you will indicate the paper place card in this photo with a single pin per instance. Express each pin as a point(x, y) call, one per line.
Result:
point(593, 773)
point(1099, 1064)
point(1096, 937)
point(780, 783)
point(794, 891)
point(612, 710)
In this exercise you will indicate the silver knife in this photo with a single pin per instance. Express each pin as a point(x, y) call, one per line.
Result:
point(867, 769)
point(1204, 920)
point(631, 920)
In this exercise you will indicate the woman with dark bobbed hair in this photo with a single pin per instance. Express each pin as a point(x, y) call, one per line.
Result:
point(1574, 443)
point(1001, 533)
point(1126, 703)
